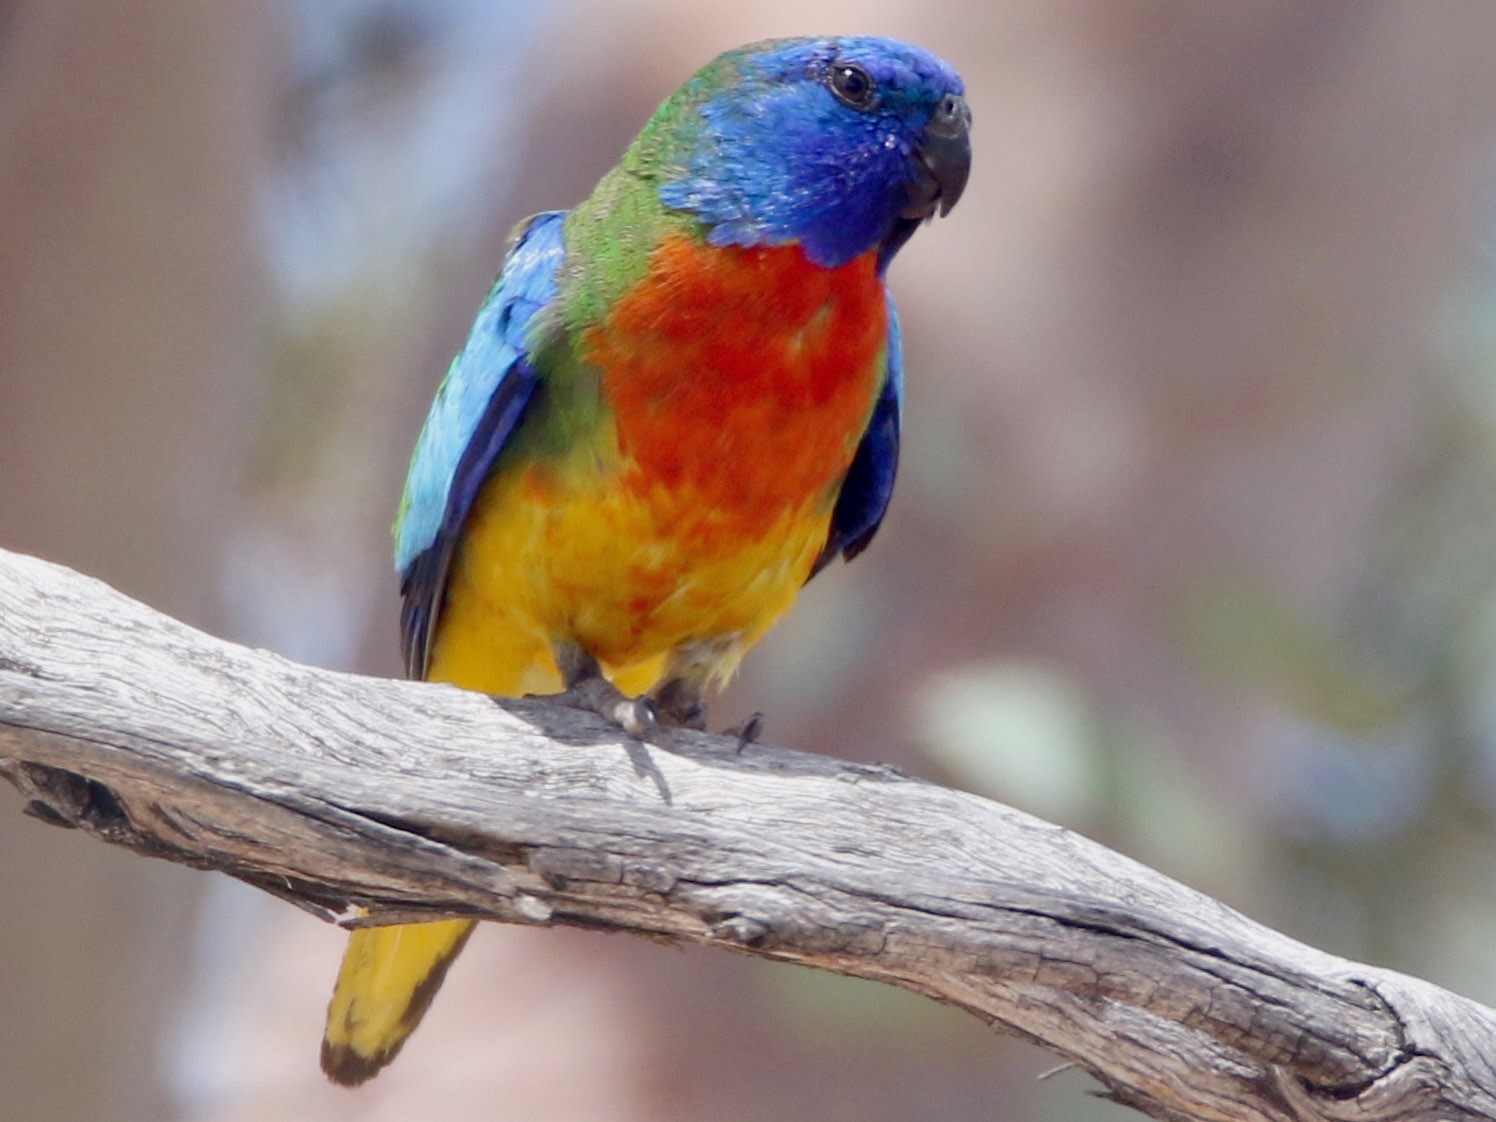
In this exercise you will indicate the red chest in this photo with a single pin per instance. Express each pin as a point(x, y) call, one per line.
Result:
point(743, 378)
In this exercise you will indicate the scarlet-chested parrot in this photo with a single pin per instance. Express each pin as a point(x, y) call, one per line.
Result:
point(680, 400)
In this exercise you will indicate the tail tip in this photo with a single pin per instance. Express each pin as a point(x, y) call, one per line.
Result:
point(349, 1068)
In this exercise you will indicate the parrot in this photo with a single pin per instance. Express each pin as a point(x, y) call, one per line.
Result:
point(680, 401)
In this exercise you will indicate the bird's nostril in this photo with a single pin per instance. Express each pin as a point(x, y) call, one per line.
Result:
point(951, 116)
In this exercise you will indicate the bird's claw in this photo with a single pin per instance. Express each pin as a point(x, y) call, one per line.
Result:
point(747, 730)
point(636, 716)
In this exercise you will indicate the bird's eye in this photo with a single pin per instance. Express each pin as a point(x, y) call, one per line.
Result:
point(853, 85)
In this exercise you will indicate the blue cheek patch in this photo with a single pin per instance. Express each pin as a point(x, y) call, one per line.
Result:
point(798, 168)
point(782, 160)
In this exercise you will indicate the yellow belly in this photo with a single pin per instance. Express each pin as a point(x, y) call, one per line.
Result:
point(630, 576)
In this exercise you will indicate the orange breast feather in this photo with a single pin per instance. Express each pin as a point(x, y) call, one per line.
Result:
point(739, 382)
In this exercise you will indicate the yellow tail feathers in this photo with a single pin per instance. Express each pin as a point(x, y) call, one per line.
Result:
point(388, 978)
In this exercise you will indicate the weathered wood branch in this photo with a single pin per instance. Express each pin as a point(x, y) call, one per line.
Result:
point(423, 801)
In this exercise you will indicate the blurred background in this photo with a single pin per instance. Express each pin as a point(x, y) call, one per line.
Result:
point(1194, 549)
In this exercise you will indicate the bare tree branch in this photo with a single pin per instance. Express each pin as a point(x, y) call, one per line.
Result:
point(423, 801)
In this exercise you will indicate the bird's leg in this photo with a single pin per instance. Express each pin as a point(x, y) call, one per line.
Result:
point(587, 689)
point(690, 668)
point(678, 701)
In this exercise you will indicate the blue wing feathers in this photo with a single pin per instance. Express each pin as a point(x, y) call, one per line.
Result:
point(868, 486)
point(477, 408)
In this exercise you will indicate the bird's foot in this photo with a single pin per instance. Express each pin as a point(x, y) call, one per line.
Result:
point(679, 705)
point(636, 716)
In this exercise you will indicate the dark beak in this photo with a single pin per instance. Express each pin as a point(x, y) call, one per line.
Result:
point(944, 161)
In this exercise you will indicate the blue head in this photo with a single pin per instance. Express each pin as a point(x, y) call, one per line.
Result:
point(843, 145)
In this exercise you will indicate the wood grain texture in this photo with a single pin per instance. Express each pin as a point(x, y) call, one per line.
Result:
point(422, 801)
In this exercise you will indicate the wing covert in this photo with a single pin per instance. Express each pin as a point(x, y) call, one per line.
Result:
point(477, 407)
point(868, 485)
